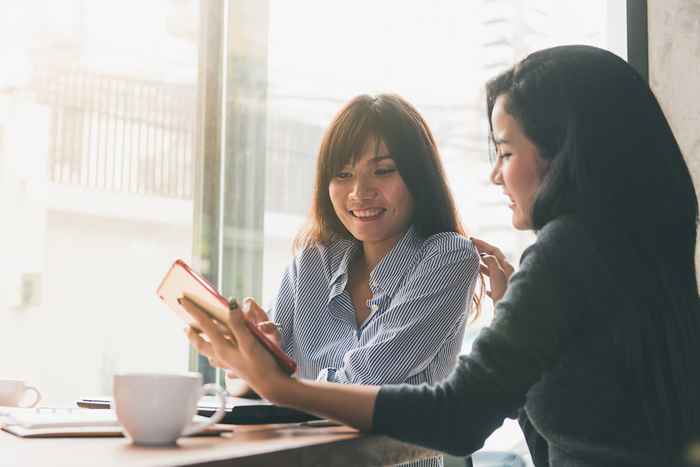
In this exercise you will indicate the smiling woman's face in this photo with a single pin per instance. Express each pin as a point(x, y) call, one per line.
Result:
point(370, 198)
point(519, 168)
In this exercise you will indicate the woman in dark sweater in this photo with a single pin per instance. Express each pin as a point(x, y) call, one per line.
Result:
point(596, 337)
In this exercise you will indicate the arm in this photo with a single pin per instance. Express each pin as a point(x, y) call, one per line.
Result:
point(244, 355)
point(454, 416)
point(540, 314)
point(427, 310)
point(534, 322)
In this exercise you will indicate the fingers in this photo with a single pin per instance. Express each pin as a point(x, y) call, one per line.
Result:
point(270, 328)
point(497, 277)
point(241, 333)
point(204, 322)
point(223, 328)
point(253, 311)
point(202, 346)
point(493, 268)
point(485, 248)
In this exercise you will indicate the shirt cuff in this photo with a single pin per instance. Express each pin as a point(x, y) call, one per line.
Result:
point(327, 374)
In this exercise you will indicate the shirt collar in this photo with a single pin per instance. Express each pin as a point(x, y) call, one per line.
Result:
point(388, 273)
point(342, 252)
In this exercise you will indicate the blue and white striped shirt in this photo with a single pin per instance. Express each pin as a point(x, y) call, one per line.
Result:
point(420, 293)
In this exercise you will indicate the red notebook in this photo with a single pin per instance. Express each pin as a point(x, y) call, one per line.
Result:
point(181, 281)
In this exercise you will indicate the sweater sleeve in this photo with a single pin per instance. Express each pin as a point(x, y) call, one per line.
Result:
point(533, 322)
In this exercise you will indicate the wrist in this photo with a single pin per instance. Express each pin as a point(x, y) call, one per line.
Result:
point(280, 390)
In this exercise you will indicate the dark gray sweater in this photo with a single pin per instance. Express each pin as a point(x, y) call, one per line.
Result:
point(552, 356)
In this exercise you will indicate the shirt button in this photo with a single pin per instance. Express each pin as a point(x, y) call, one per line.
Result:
point(374, 307)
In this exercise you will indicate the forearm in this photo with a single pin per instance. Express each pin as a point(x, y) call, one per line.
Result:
point(238, 387)
point(352, 405)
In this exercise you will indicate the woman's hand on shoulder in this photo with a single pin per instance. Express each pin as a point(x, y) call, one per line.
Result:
point(495, 265)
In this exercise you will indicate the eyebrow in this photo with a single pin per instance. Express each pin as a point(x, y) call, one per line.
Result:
point(381, 158)
point(375, 160)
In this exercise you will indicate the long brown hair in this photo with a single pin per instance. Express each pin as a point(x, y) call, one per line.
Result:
point(392, 120)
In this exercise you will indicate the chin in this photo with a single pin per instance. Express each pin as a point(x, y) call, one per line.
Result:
point(377, 235)
point(368, 236)
point(521, 223)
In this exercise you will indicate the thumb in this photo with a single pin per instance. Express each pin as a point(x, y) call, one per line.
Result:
point(495, 272)
point(268, 326)
point(253, 312)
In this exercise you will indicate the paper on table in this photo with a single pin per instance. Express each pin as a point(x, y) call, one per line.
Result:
point(72, 422)
point(57, 418)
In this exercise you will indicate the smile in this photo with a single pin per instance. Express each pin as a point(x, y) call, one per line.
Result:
point(367, 214)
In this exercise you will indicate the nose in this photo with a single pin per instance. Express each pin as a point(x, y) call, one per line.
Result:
point(363, 188)
point(496, 177)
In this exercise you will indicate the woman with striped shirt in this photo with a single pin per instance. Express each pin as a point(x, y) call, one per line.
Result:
point(379, 290)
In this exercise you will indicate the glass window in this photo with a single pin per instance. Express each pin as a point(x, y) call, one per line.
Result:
point(438, 56)
point(97, 106)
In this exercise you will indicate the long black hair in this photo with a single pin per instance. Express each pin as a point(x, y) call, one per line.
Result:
point(615, 164)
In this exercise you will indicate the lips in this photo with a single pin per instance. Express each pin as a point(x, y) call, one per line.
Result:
point(367, 214)
point(511, 201)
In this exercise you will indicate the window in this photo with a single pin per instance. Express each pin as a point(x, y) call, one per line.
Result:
point(133, 133)
point(97, 116)
point(438, 56)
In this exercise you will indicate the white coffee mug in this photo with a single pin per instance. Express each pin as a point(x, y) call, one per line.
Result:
point(157, 408)
point(13, 392)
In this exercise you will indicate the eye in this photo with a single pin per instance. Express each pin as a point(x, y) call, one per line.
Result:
point(343, 175)
point(385, 170)
point(505, 156)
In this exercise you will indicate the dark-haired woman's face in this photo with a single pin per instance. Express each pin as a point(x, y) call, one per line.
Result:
point(519, 168)
point(371, 199)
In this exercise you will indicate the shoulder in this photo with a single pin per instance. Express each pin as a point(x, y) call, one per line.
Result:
point(565, 239)
point(563, 231)
point(326, 256)
point(566, 253)
point(449, 245)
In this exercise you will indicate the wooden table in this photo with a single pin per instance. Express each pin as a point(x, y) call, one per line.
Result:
point(261, 445)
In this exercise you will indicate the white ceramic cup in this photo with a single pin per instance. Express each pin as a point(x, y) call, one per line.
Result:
point(13, 392)
point(157, 408)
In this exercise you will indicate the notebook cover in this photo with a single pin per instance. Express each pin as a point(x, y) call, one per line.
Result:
point(239, 411)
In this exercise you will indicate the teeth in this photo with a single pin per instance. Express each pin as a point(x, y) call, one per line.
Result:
point(367, 212)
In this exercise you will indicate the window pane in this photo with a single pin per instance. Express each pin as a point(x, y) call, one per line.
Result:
point(438, 55)
point(97, 106)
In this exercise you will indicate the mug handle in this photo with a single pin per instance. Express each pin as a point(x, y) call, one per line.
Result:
point(37, 394)
point(198, 427)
